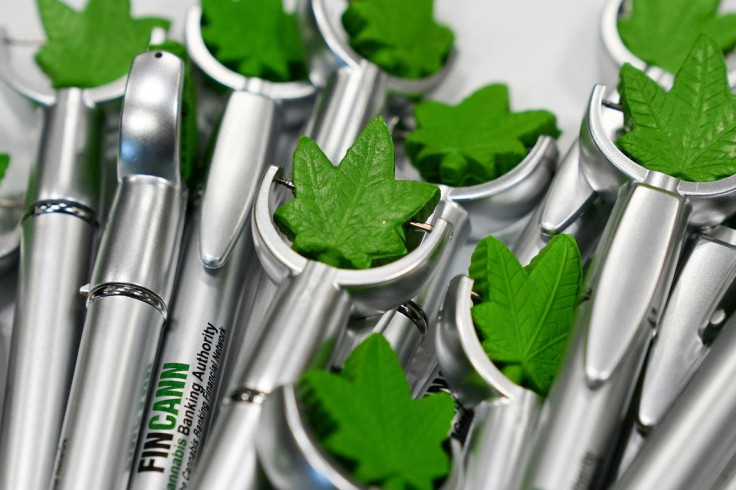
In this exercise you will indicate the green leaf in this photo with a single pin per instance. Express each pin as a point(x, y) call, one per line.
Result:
point(365, 416)
point(525, 313)
point(475, 141)
point(661, 32)
point(92, 47)
point(4, 162)
point(189, 155)
point(353, 216)
point(256, 38)
point(400, 36)
point(690, 132)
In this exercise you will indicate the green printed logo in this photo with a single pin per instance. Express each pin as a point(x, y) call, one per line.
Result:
point(168, 399)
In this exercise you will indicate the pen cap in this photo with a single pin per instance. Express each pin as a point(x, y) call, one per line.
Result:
point(140, 244)
point(68, 167)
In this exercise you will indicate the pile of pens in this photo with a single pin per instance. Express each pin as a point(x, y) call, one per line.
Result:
point(160, 310)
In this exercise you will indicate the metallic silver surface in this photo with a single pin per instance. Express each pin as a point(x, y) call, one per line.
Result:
point(150, 126)
point(108, 392)
point(289, 452)
point(296, 97)
point(352, 97)
point(244, 143)
point(300, 331)
point(624, 294)
point(56, 250)
point(696, 440)
point(371, 289)
point(505, 413)
point(472, 377)
point(139, 248)
point(499, 441)
point(141, 242)
point(329, 49)
point(291, 456)
point(69, 158)
point(704, 287)
point(40, 91)
point(49, 315)
point(203, 318)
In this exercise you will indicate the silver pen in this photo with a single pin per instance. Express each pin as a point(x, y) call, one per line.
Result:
point(58, 226)
point(623, 298)
point(301, 330)
point(202, 321)
point(131, 284)
point(699, 304)
point(694, 445)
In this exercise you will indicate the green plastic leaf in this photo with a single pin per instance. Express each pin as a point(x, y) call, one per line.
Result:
point(525, 313)
point(661, 32)
point(256, 38)
point(475, 141)
point(4, 162)
point(400, 36)
point(353, 216)
point(92, 47)
point(365, 416)
point(189, 155)
point(690, 132)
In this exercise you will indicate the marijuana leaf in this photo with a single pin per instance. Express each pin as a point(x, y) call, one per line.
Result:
point(352, 216)
point(255, 38)
point(661, 32)
point(475, 141)
point(93, 47)
point(372, 422)
point(189, 132)
point(4, 162)
point(525, 312)
point(690, 132)
point(400, 36)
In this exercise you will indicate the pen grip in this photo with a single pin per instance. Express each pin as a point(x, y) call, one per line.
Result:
point(49, 314)
point(119, 343)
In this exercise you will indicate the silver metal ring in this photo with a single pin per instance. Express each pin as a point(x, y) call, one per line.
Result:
point(63, 207)
point(416, 314)
point(247, 395)
point(129, 291)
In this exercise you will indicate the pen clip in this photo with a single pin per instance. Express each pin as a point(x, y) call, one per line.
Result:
point(704, 285)
point(245, 141)
point(150, 126)
point(631, 274)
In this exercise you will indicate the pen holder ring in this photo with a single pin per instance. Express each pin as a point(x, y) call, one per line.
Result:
point(290, 454)
point(30, 82)
point(375, 289)
point(330, 49)
point(296, 97)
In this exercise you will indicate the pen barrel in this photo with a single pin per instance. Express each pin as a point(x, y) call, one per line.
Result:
point(201, 325)
point(300, 332)
point(106, 402)
point(56, 246)
point(55, 260)
point(68, 166)
point(353, 96)
point(499, 440)
point(623, 297)
point(140, 246)
point(695, 443)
